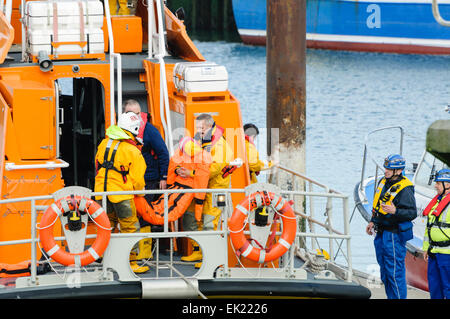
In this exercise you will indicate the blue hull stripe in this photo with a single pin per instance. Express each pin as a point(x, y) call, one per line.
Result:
point(358, 19)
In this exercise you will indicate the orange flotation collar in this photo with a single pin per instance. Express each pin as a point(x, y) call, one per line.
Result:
point(21, 269)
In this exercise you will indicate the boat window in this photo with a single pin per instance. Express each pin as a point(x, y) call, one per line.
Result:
point(427, 169)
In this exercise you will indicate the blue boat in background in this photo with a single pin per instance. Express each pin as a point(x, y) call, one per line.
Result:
point(399, 26)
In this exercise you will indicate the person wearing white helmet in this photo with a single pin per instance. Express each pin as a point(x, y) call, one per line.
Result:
point(121, 167)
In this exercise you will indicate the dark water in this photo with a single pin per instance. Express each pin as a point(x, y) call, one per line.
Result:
point(348, 95)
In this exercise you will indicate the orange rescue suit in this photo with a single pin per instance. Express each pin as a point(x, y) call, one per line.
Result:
point(190, 156)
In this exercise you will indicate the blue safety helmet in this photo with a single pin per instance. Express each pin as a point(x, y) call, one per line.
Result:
point(443, 175)
point(394, 161)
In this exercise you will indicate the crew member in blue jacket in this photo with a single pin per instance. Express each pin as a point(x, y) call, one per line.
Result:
point(156, 157)
point(394, 207)
point(154, 150)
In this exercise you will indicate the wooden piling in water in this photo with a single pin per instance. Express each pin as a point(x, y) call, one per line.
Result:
point(286, 81)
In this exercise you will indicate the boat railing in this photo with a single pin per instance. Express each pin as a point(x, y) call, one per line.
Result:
point(214, 244)
point(366, 155)
point(310, 185)
point(437, 15)
point(159, 54)
point(115, 65)
point(6, 8)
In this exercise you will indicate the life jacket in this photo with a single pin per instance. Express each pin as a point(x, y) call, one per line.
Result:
point(21, 269)
point(198, 163)
point(117, 150)
point(144, 117)
point(109, 164)
point(389, 195)
point(114, 134)
point(215, 143)
point(209, 141)
point(437, 235)
point(437, 209)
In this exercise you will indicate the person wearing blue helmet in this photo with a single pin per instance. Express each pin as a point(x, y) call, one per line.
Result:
point(436, 241)
point(394, 207)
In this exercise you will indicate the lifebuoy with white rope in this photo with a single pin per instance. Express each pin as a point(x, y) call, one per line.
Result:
point(236, 225)
point(65, 206)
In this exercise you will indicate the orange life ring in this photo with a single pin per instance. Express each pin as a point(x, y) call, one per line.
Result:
point(240, 214)
point(65, 205)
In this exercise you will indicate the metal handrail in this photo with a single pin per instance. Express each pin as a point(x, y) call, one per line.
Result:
point(58, 163)
point(328, 211)
point(306, 178)
point(113, 57)
point(377, 166)
point(6, 7)
point(224, 232)
point(164, 95)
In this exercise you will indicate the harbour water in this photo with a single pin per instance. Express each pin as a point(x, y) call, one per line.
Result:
point(348, 95)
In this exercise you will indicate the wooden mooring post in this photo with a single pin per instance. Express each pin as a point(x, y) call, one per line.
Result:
point(286, 81)
point(286, 88)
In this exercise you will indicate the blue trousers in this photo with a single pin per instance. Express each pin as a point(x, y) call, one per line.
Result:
point(391, 252)
point(439, 276)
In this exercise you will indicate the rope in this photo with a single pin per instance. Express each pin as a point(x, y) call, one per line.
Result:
point(238, 231)
point(50, 225)
point(315, 262)
point(98, 225)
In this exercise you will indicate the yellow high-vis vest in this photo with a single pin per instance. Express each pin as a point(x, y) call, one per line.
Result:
point(390, 194)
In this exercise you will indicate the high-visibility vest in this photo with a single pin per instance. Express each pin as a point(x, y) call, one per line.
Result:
point(389, 195)
point(437, 232)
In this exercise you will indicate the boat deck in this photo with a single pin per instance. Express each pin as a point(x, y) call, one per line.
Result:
point(187, 270)
point(254, 285)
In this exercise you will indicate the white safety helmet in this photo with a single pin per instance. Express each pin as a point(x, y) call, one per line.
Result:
point(129, 121)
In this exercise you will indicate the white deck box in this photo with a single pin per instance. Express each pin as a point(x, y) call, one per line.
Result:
point(62, 22)
point(39, 14)
point(193, 77)
point(39, 40)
